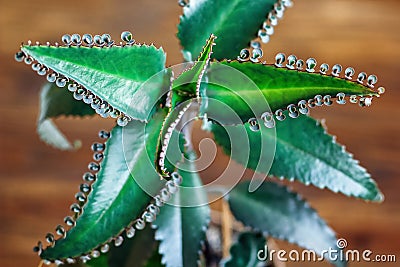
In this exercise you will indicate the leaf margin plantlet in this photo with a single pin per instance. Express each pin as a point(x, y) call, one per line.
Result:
point(99, 84)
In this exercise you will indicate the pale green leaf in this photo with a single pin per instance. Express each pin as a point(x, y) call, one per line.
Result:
point(181, 224)
point(284, 215)
point(55, 102)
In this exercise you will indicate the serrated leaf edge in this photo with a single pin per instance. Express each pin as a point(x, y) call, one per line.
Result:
point(138, 223)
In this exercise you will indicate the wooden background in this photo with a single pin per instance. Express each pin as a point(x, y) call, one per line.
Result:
point(37, 183)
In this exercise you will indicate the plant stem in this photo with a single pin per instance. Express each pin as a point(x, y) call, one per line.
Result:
point(226, 228)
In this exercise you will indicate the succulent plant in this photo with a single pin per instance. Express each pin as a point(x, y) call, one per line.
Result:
point(144, 169)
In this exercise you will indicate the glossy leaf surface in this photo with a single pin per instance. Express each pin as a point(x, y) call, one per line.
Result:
point(249, 88)
point(116, 197)
point(187, 85)
point(181, 224)
point(118, 75)
point(204, 17)
point(304, 152)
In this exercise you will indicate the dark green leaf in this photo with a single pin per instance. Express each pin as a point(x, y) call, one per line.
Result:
point(245, 251)
point(235, 22)
point(136, 251)
point(141, 250)
point(304, 152)
point(118, 75)
point(121, 191)
point(247, 89)
point(155, 259)
point(54, 102)
point(181, 224)
point(102, 261)
point(187, 85)
point(282, 214)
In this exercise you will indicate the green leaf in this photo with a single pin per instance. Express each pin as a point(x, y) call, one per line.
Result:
point(304, 152)
point(174, 151)
point(235, 22)
point(155, 259)
point(181, 224)
point(121, 192)
point(282, 214)
point(118, 75)
point(101, 261)
point(247, 89)
point(54, 102)
point(187, 85)
point(245, 251)
point(184, 89)
point(136, 251)
point(168, 134)
point(141, 250)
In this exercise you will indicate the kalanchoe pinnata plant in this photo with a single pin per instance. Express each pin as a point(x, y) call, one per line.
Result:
point(142, 200)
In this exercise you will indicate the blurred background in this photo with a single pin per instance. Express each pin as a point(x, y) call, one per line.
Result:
point(38, 183)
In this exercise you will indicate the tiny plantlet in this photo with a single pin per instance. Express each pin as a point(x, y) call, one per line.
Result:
point(142, 202)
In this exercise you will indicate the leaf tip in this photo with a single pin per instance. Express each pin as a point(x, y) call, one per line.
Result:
point(379, 197)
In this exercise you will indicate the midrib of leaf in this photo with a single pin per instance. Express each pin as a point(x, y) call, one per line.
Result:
point(84, 63)
point(225, 15)
point(219, 22)
point(228, 93)
point(130, 176)
point(99, 70)
point(261, 205)
point(111, 203)
point(88, 229)
point(115, 68)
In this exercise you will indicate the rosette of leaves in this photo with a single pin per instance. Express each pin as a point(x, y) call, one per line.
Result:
point(130, 82)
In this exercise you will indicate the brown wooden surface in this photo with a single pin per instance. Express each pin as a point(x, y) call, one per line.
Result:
point(37, 183)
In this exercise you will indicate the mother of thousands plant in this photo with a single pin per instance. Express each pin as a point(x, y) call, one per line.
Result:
point(142, 200)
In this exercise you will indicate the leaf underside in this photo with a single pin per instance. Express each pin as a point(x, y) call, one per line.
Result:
point(250, 89)
point(282, 214)
point(116, 197)
point(204, 17)
point(54, 102)
point(181, 224)
point(118, 75)
point(304, 152)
